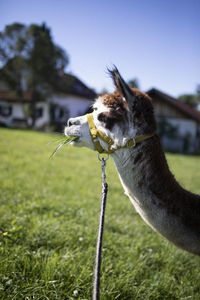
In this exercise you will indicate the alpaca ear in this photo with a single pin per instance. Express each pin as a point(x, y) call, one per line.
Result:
point(122, 87)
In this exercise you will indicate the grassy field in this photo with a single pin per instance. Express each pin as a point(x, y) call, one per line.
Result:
point(49, 211)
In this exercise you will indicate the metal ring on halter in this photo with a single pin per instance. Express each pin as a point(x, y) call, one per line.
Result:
point(103, 157)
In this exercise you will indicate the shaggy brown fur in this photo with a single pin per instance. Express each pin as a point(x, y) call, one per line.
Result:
point(142, 111)
point(115, 99)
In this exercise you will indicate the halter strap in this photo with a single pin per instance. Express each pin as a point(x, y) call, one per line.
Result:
point(95, 133)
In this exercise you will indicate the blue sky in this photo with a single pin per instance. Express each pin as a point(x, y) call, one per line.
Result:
point(156, 41)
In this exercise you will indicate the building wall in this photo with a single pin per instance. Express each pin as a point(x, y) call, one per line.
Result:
point(186, 139)
point(185, 126)
point(18, 110)
point(73, 105)
point(20, 117)
point(163, 109)
point(45, 119)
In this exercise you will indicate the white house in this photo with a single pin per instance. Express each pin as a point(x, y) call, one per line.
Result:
point(178, 123)
point(70, 97)
point(14, 111)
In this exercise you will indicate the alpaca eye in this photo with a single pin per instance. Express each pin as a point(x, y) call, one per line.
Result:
point(102, 118)
point(94, 108)
point(107, 121)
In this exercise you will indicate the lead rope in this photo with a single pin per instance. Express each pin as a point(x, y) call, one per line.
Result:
point(97, 269)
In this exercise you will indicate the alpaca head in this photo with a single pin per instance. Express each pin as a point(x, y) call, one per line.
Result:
point(127, 113)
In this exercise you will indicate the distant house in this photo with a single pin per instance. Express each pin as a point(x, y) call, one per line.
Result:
point(14, 110)
point(70, 97)
point(178, 123)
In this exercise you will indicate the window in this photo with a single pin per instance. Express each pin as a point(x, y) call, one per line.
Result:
point(39, 112)
point(61, 113)
point(5, 111)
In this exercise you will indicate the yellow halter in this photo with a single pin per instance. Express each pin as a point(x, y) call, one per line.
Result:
point(95, 133)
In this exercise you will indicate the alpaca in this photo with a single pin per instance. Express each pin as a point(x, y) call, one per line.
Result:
point(127, 115)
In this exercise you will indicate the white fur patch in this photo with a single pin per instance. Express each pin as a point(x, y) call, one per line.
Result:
point(99, 107)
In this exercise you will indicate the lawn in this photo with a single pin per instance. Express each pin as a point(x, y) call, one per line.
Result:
point(49, 211)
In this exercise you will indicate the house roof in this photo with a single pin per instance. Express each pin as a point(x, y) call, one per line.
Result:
point(178, 104)
point(11, 96)
point(64, 83)
point(70, 84)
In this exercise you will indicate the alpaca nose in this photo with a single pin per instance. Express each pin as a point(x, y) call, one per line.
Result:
point(70, 122)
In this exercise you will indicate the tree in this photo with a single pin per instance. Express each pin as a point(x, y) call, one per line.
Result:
point(29, 53)
point(103, 91)
point(12, 61)
point(192, 100)
point(133, 83)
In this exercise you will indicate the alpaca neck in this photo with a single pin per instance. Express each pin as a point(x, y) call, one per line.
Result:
point(142, 167)
point(135, 168)
point(157, 196)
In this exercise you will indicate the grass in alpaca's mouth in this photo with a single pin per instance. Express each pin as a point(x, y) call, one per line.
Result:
point(64, 141)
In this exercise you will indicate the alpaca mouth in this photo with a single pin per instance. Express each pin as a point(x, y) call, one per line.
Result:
point(71, 132)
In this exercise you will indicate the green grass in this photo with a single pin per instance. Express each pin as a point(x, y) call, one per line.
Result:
point(50, 211)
